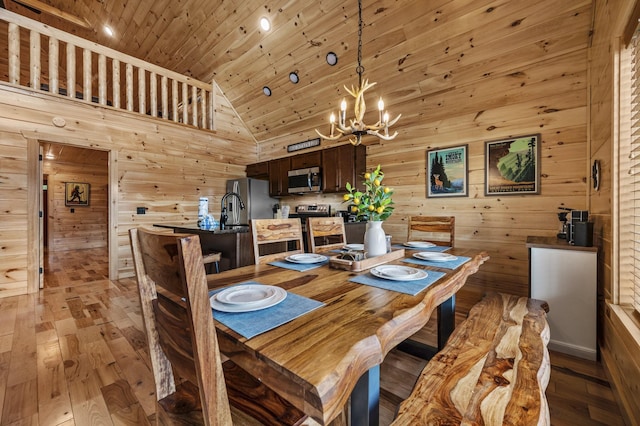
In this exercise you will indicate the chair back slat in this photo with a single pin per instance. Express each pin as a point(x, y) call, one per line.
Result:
point(325, 233)
point(276, 238)
point(439, 230)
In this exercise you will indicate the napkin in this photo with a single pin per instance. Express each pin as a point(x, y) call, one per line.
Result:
point(451, 264)
point(250, 324)
point(434, 248)
point(407, 287)
point(298, 266)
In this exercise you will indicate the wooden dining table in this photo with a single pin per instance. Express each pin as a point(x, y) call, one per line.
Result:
point(331, 356)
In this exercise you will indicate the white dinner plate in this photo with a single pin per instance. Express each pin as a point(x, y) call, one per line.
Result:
point(306, 258)
point(419, 244)
point(398, 273)
point(435, 256)
point(255, 306)
point(247, 294)
point(355, 247)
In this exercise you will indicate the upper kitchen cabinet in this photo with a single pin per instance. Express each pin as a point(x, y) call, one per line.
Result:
point(258, 170)
point(278, 177)
point(309, 159)
point(342, 164)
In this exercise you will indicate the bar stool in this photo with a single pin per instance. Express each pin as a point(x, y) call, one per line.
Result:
point(209, 258)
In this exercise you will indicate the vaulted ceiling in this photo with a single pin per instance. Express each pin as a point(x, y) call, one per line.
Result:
point(413, 49)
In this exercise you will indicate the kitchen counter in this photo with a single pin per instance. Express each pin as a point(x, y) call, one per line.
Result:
point(234, 243)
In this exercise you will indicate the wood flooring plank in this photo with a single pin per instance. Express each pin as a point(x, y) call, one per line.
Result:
point(53, 394)
point(20, 401)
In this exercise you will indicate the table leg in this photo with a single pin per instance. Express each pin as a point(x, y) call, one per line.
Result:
point(365, 399)
point(446, 320)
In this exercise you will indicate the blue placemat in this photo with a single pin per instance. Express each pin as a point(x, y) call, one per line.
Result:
point(452, 264)
point(250, 324)
point(297, 266)
point(434, 248)
point(408, 287)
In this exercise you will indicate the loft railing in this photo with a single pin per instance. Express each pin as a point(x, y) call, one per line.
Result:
point(106, 76)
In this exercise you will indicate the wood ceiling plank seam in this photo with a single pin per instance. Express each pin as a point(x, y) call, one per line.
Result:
point(156, 28)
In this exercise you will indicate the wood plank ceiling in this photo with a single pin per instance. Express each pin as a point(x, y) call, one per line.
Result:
point(413, 49)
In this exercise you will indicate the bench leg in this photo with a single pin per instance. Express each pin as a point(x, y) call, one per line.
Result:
point(365, 399)
point(446, 320)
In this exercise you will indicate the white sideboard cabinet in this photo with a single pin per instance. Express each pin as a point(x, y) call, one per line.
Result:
point(566, 277)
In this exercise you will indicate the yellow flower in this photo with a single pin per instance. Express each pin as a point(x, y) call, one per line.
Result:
point(386, 190)
point(367, 176)
point(356, 201)
point(376, 182)
point(380, 209)
point(346, 197)
point(371, 207)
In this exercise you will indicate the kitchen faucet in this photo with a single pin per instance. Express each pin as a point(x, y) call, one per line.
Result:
point(223, 215)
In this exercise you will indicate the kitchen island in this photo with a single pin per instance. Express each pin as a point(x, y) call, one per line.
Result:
point(234, 242)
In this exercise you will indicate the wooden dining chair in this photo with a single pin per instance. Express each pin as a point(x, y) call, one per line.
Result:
point(325, 233)
point(276, 238)
point(439, 230)
point(193, 386)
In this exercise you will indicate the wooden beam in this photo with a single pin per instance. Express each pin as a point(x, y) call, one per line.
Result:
point(45, 8)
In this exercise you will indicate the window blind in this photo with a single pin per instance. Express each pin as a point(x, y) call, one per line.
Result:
point(630, 183)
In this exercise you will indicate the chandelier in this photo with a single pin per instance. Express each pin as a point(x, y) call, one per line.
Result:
point(357, 127)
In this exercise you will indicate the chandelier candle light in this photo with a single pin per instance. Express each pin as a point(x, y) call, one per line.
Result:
point(357, 128)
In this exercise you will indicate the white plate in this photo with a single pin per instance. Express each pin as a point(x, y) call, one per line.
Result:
point(247, 294)
point(223, 307)
point(398, 273)
point(435, 256)
point(419, 244)
point(306, 258)
point(355, 247)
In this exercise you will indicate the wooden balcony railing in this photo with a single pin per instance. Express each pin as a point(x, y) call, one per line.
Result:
point(107, 77)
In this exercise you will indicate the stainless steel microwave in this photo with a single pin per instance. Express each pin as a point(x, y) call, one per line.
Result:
point(305, 180)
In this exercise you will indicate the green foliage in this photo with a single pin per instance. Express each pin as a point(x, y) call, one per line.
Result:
point(375, 201)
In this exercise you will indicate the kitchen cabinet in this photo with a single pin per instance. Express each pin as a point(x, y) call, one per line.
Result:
point(258, 170)
point(342, 164)
point(308, 159)
point(278, 177)
point(565, 276)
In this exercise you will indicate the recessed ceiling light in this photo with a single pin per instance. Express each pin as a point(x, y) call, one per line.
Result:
point(332, 58)
point(266, 90)
point(50, 156)
point(108, 30)
point(265, 24)
point(293, 76)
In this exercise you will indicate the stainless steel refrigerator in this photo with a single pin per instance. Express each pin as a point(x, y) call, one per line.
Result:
point(255, 195)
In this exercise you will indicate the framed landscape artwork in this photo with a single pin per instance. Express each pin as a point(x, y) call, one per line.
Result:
point(76, 194)
point(513, 166)
point(447, 172)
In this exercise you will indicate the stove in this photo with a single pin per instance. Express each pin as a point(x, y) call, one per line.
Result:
point(317, 210)
point(304, 211)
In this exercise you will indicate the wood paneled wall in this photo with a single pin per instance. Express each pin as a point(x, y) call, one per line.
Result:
point(163, 167)
point(488, 82)
point(619, 343)
point(86, 226)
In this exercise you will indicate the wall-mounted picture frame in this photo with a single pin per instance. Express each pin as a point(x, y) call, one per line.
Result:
point(76, 194)
point(448, 172)
point(512, 166)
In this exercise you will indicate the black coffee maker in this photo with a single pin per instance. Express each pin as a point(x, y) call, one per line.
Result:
point(564, 226)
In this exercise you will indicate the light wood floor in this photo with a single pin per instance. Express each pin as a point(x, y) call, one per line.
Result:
point(74, 354)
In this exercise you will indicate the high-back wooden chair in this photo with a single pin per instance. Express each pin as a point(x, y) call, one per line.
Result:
point(276, 238)
point(181, 335)
point(325, 233)
point(439, 230)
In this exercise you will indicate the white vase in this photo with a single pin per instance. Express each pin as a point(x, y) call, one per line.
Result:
point(375, 241)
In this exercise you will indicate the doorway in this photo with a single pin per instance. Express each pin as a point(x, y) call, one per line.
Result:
point(74, 227)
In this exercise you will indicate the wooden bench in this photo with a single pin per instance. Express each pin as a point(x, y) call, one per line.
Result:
point(494, 369)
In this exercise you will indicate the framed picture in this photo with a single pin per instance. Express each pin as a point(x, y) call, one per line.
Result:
point(513, 166)
point(76, 194)
point(447, 172)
